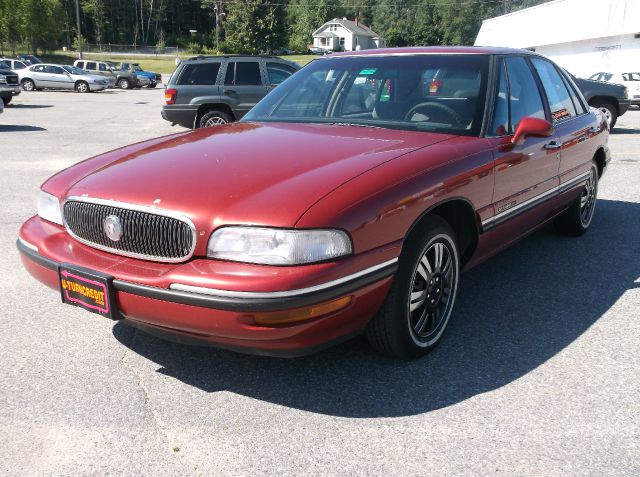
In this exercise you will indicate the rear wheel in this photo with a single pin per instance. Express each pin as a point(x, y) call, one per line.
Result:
point(28, 84)
point(82, 87)
point(7, 99)
point(609, 110)
point(123, 83)
point(577, 218)
point(213, 117)
point(418, 307)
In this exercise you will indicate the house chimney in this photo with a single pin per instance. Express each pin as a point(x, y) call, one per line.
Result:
point(356, 21)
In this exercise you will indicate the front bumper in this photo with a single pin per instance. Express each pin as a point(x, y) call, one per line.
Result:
point(223, 318)
point(9, 90)
point(97, 87)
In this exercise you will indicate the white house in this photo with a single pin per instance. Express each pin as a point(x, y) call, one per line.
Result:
point(583, 36)
point(346, 35)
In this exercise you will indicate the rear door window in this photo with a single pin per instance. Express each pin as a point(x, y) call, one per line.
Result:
point(199, 74)
point(243, 73)
point(80, 64)
point(91, 65)
point(103, 67)
point(560, 102)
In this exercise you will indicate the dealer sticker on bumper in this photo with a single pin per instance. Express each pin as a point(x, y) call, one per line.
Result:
point(92, 291)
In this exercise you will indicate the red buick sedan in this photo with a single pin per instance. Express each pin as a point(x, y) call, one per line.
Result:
point(347, 201)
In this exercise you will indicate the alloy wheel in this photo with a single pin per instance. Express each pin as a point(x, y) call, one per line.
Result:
point(214, 121)
point(432, 291)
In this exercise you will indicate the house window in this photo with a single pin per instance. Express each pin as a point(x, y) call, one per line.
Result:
point(333, 27)
point(342, 41)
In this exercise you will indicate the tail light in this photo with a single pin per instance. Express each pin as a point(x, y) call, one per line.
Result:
point(170, 96)
point(434, 87)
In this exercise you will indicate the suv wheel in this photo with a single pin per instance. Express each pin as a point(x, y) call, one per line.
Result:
point(123, 83)
point(6, 100)
point(416, 312)
point(152, 85)
point(609, 110)
point(28, 84)
point(214, 117)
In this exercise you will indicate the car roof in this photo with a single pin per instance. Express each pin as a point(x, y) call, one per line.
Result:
point(440, 50)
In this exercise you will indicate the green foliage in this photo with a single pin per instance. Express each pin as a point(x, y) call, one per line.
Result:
point(252, 26)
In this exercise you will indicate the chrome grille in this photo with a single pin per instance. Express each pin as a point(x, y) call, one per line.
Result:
point(12, 79)
point(147, 234)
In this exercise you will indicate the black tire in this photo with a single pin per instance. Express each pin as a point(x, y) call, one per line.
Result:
point(577, 218)
point(398, 329)
point(213, 117)
point(7, 99)
point(152, 85)
point(124, 83)
point(82, 87)
point(608, 109)
point(28, 84)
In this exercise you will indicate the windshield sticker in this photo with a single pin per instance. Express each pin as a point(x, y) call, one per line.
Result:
point(368, 71)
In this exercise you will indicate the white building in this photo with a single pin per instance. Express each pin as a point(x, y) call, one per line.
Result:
point(583, 36)
point(345, 35)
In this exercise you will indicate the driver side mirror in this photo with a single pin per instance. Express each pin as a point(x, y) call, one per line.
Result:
point(534, 127)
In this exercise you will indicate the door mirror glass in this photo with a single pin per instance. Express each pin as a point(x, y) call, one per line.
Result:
point(534, 127)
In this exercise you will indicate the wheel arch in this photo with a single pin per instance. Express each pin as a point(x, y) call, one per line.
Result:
point(204, 107)
point(606, 99)
point(460, 214)
point(601, 160)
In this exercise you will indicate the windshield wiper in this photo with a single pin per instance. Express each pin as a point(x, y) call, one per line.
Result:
point(360, 125)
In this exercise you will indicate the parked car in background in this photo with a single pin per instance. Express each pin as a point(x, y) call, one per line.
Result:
point(612, 99)
point(213, 90)
point(154, 78)
point(630, 80)
point(50, 76)
point(123, 79)
point(350, 199)
point(316, 50)
point(14, 65)
point(9, 84)
point(29, 59)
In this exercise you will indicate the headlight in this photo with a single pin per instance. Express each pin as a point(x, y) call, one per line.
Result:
point(49, 208)
point(3, 79)
point(277, 246)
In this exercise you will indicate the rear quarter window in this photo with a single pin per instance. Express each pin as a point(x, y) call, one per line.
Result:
point(199, 74)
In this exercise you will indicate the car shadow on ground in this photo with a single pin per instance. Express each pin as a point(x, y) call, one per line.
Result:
point(28, 106)
point(514, 313)
point(625, 131)
point(19, 128)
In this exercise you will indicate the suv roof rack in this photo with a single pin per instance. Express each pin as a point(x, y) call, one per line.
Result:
point(206, 57)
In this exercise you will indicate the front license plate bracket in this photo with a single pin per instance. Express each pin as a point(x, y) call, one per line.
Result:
point(88, 289)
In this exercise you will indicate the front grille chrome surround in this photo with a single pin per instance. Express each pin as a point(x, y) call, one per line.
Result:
point(150, 233)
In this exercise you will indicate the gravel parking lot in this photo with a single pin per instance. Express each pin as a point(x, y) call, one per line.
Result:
point(538, 375)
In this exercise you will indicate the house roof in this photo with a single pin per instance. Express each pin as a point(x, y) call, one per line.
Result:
point(325, 34)
point(359, 29)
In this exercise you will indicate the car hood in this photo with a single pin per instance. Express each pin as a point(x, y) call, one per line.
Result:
point(243, 173)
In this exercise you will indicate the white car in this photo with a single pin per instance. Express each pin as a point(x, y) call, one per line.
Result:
point(14, 65)
point(45, 75)
point(631, 80)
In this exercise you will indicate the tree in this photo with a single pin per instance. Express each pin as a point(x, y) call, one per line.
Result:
point(306, 16)
point(254, 26)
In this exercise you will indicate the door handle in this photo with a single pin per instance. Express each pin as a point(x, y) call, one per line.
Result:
point(228, 91)
point(594, 130)
point(553, 145)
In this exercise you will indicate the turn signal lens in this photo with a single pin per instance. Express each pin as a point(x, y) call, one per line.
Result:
point(170, 96)
point(301, 314)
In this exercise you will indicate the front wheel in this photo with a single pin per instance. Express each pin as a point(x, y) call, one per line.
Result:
point(82, 87)
point(28, 85)
point(123, 83)
point(415, 314)
point(152, 85)
point(577, 218)
point(6, 100)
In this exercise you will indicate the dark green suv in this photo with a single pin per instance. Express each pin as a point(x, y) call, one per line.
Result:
point(212, 90)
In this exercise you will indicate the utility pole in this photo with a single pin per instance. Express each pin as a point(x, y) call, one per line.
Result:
point(218, 15)
point(78, 26)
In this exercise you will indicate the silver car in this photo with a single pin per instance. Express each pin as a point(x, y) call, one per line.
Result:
point(45, 75)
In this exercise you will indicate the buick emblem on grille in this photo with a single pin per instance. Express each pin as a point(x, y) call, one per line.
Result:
point(112, 227)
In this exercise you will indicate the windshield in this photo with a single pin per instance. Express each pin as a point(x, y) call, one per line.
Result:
point(631, 76)
point(5, 65)
point(442, 93)
point(137, 68)
point(74, 70)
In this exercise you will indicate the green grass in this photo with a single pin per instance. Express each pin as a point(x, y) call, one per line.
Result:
point(158, 64)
